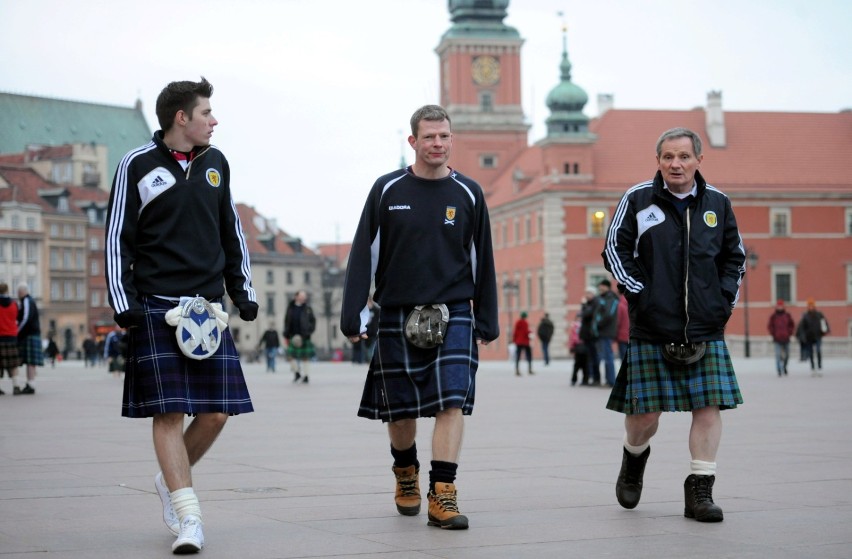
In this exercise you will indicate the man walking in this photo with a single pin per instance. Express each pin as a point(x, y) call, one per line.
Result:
point(425, 239)
point(676, 252)
point(781, 329)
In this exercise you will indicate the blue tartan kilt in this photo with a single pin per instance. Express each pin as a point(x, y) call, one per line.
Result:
point(29, 350)
point(648, 383)
point(159, 378)
point(405, 381)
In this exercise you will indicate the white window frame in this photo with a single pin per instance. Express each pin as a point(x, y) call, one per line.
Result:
point(777, 269)
point(774, 213)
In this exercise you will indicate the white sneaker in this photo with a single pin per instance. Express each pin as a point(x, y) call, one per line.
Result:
point(191, 538)
point(169, 516)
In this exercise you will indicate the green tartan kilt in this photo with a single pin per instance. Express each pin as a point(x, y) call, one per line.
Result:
point(648, 383)
point(307, 350)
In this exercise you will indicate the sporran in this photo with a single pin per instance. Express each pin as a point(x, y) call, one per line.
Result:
point(198, 326)
point(684, 353)
point(426, 325)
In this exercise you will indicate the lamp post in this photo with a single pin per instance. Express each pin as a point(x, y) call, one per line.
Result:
point(510, 288)
point(751, 263)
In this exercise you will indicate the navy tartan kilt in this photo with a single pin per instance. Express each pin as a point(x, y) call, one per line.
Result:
point(161, 379)
point(9, 358)
point(29, 350)
point(648, 383)
point(405, 381)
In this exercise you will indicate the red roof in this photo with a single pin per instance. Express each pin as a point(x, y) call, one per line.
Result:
point(257, 228)
point(767, 151)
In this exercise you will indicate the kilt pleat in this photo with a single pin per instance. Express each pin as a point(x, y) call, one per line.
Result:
point(9, 358)
point(405, 381)
point(29, 350)
point(647, 383)
point(159, 378)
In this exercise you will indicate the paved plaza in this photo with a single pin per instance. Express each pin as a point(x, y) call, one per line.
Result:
point(304, 477)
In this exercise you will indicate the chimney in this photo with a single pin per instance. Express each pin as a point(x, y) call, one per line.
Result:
point(715, 120)
point(606, 101)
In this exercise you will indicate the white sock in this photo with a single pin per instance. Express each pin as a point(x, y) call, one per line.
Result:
point(702, 468)
point(185, 503)
point(636, 450)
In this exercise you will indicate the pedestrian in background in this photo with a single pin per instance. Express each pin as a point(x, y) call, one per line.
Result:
point(605, 326)
point(781, 327)
point(270, 342)
point(545, 334)
point(9, 360)
point(29, 336)
point(578, 350)
point(589, 337)
point(814, 327)
point(299, 324)
point(622, 330)
point(522, 337)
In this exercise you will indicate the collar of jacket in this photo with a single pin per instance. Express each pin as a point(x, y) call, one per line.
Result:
point(660, 189)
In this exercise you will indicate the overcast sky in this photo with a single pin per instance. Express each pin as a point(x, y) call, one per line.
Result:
point(313, 97)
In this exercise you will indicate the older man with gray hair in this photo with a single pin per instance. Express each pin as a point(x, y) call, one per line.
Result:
point(29, 336)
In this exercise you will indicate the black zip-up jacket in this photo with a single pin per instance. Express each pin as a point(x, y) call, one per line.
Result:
point(680, 271)
point(172, 232)
point(28, 321)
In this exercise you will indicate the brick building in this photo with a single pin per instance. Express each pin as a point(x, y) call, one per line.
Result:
point(551, 201)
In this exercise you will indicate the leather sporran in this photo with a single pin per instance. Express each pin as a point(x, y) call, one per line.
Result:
point(684, 354)
point(426, 325)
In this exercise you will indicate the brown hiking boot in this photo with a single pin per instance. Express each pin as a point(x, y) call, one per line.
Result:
point(407, 496)
point(444, 509)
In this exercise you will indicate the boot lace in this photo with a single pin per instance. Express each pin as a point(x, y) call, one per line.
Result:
point(447, 501)
point(407, 485)
point(702, 490)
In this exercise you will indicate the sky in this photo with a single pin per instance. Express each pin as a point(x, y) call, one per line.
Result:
point(313, 97)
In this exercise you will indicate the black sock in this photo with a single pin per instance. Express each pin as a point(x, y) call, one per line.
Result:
point(405, 458)
point(445, 472)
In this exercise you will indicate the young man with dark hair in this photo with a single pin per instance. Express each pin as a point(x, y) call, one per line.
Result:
point(174, 241)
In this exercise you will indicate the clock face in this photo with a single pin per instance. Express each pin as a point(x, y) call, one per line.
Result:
point(486, 70)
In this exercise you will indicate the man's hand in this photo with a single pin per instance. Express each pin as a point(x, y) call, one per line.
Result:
point(131, 318)
point(248, 311)
point(356, 339)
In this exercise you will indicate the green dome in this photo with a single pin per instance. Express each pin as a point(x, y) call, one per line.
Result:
point(567, 96)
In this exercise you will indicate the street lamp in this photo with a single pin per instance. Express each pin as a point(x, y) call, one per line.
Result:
point(510, 288)
point(751, 262)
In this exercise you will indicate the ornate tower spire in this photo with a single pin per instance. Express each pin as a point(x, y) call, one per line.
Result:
point(566, 101)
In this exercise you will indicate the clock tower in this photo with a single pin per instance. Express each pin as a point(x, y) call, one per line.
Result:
point(480, 67)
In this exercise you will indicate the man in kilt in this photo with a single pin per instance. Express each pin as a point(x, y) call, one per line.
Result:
point(173, 235)
point(29, 337)
point(674, 247)
point(424, 238)
point(9, 360)
point(299, 323)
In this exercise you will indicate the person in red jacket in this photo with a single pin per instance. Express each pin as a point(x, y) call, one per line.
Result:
point(521, 336)
point(9, 359)
point(781, 328)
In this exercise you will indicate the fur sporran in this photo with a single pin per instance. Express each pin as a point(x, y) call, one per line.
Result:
point(426, 325)
point(198, 326)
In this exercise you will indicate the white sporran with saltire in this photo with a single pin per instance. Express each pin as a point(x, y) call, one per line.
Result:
point(198, 326)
